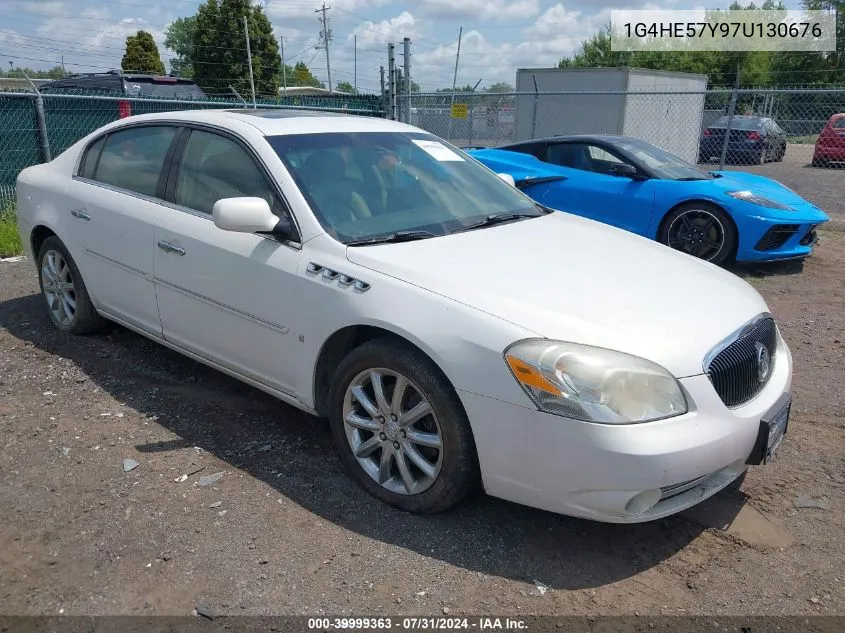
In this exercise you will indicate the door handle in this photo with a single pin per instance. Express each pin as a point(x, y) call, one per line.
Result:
point(167, 246)
point(79, 213)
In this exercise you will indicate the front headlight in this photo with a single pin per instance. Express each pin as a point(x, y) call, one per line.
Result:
point(753, 198)
point(594, 384)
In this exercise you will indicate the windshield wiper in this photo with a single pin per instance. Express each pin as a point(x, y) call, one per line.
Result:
point(393, 238)
point(496, 218)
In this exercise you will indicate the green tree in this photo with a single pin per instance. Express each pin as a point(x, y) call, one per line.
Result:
point(836, 60)
point(345, 86)
point(179, 38)
point(56, 72)
point(500, 86)
point(219, 54)
point(302, 77)
point(142, 54)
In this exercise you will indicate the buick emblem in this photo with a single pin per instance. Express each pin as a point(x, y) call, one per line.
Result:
point(764, 362)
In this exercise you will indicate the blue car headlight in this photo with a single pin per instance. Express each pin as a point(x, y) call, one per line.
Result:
point(753, 198)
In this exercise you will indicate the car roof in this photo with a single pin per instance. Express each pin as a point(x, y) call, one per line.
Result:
point(601, 138)
point(278, 121)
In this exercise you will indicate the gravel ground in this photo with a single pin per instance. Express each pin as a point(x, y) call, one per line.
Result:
point(283, 531)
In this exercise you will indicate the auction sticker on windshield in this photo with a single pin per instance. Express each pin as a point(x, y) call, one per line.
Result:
point(437, 150)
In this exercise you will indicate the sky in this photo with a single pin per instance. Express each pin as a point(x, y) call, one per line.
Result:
point(499, 36)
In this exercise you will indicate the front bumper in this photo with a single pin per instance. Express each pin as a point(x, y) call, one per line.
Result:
point(595, 471)
point(770, 239)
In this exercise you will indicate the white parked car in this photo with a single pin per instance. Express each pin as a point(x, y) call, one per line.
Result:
point(455, 334)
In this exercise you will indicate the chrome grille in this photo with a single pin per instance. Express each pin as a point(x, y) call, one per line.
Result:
point(733, 370)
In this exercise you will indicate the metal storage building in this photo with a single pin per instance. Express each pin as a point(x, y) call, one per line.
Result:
point(646, 104)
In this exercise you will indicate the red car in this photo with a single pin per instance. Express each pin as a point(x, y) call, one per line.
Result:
point(830, 146)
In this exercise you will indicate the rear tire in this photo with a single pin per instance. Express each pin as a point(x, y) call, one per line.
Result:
point(781, 153)
point(63, 289)
point(418, 476)
point(694, 226)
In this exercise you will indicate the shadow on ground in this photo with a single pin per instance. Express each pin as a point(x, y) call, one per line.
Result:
point(768, 269)
point(292, 452)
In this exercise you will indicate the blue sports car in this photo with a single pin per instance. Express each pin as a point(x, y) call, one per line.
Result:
point(719, 216)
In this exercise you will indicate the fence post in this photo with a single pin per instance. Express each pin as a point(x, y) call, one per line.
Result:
point(534, 114)
point(40, 124)
point(731, 111)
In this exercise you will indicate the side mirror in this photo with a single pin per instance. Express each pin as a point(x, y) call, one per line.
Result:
point(244, 215)
point(508, 179)
point(624, 170)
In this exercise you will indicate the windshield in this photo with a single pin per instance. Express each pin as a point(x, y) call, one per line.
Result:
point(363, 185)
point(663, 164)
point(739, 123)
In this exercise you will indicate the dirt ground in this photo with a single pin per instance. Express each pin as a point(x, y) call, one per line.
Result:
point(284, 531)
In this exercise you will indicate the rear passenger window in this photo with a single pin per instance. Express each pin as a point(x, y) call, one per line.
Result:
point(839, 123)
point(132, 159)
point(214, 167)
point(89, 160)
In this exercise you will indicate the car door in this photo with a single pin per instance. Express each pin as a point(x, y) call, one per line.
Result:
point(113, 200)
point(225, 296)
point(595, 192)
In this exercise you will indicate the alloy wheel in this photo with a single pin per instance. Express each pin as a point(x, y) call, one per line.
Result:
point(393, 431)
point(58, 288)
point(697, 232)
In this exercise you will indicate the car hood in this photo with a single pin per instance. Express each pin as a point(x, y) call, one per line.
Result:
point(573, 279)
point(760, 185)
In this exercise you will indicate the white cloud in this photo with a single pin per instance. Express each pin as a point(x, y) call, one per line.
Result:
point(281, 9)
point(554, 34)
point(480, 9)
point(45, 8)
point(393, 29)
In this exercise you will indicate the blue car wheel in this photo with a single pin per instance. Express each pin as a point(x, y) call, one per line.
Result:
point(700, 229)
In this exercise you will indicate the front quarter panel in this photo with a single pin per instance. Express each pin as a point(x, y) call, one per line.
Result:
point(465, 343)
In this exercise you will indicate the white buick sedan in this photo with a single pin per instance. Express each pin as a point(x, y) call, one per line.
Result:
point(455, 334)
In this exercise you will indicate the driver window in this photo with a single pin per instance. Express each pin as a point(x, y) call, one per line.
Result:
point(583, 156)
point(215, 167)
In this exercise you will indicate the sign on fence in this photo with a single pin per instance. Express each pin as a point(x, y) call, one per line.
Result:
point(459, 110)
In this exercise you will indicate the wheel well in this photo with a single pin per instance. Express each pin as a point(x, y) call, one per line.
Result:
point(337, 347)
point(36, 239)
point(709, 203)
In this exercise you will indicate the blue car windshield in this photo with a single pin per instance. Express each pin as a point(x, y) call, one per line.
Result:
point(364, 185)
point(663, 164)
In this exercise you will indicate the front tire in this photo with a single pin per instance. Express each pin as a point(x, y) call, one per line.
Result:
point(401, 430)
point(700, 229)
point(68, 303)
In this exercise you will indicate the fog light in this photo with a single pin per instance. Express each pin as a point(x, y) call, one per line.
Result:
point(643, 502)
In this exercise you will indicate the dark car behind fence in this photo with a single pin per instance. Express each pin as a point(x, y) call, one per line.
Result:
point(69, 117)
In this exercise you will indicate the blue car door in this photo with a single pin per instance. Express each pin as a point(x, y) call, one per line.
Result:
point(594, 191)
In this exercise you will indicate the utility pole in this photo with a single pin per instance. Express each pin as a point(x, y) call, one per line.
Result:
point(454, 83)
point(64, 72)
point(326, 36)
point(398, 98)
point(391, 82)
point(355, 65)
point(407, 54)
point(384, 105)
point(249, 59)
point(284, 66)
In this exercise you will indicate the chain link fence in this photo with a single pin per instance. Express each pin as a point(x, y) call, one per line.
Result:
point(28, 137)
point(724, 127)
